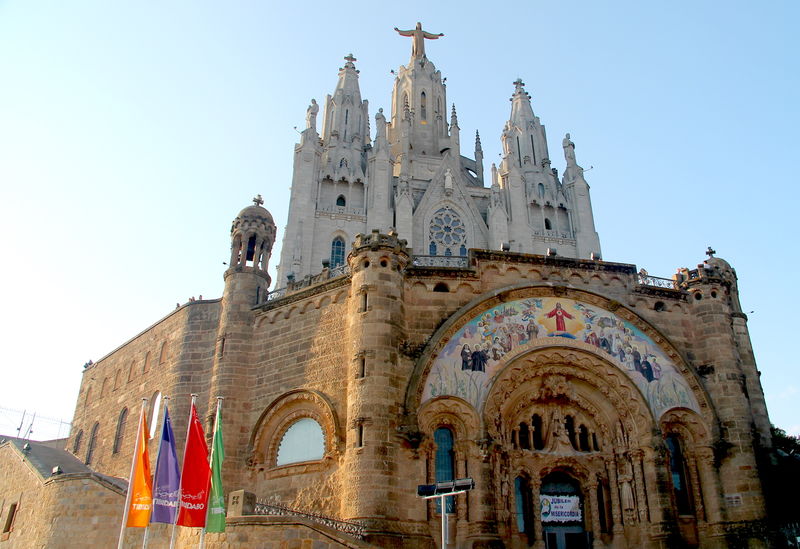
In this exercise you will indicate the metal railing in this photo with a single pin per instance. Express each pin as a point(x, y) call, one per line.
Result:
point(657, 282)
point(354, 529)
point(293, 286)
point(459, 262)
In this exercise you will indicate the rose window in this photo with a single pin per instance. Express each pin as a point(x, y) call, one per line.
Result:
point(447, 233)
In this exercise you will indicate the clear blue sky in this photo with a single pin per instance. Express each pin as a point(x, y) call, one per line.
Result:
point(131, 133)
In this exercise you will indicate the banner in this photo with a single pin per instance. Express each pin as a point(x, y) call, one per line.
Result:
point(195, 476)
point(560, 508)
point(168, 476)
point(141, 485)
point(216, 502)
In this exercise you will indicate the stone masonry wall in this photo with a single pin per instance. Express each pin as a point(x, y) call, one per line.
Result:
point(168, 358)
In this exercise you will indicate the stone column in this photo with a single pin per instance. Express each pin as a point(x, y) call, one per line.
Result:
point(616, 505)
point(708, 484)
point(641, 490)
point(591, 493)
point(538, 531)
point(697, 494)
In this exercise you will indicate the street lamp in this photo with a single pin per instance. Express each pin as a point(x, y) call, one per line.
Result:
point(442, 490)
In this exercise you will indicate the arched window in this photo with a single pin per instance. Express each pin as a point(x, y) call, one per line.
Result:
point(462, 251)
point(162, 358)
point(524, 436)
point(441, 287)
point(583, 438)
point(302, 441)
point(522, 499)
point(104, 387)
point(76, 446)
point(423, 106)
point(541, 190)
point(131, 370)
point(251, 250)
point(445, 463)
point(116, 379)
point(677, 467)
point(337, 252)
point(432, 248)
point(120, 434)
point(447, 232)
point(92, 442)
point(547, 224)
point(536, 426)
point(340, 201)
point(155, 413)
point(146, 366)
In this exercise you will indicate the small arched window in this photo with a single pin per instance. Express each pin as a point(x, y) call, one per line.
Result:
point(524, 436)
point(445, 463)
point(76, 446)
point(441, 287)
point(423, 106)
point(432, 248)
point(104, 387)
point(340, 201)
point(116, 379)
point(541, 190)
point(120, 434)
point(146, 366)
point(677, 467)
point(131, 370)
point(162, 358)
point(536, 427)
point(92, 443)
point(302, 441)
point(522, 499)
point(337, 252)
point(547, 224)
point(343, 163)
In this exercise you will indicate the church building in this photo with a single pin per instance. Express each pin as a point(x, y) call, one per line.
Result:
point(426, 325)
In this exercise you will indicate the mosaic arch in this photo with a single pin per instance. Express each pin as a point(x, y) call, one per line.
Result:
point(471, 359)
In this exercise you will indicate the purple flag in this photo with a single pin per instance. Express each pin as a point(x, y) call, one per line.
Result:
point(166, 484)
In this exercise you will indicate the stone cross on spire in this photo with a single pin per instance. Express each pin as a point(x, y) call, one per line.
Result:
point(350, 59)
point(418, 42)
point(518, 83)
point(710, 252)
point(258, 201)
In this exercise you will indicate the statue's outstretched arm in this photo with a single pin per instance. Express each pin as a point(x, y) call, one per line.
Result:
point(404, 33)
point(430, 35)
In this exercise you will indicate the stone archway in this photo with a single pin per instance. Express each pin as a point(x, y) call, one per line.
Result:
point(567, 411)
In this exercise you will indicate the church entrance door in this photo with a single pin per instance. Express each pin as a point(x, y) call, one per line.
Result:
point(561, 511)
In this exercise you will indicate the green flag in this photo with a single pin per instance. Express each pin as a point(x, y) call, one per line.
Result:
point(215, 522)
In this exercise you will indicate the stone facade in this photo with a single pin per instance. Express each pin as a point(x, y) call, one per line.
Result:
point(550, 379)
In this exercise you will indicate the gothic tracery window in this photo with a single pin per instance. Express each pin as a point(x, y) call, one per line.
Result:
point(337, 252)
point(447, 235)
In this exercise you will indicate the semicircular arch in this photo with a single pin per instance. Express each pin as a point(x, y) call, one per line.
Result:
point(512, 321)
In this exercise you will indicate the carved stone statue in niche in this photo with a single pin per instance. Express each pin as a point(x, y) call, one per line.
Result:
point(626, 491)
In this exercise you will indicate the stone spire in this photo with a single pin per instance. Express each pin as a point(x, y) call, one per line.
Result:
point(478, 157)
point(345, 126)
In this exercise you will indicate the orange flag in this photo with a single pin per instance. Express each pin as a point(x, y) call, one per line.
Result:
point(141, 483)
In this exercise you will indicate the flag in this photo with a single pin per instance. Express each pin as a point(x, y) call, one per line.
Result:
point(168, 476)
point(141, 485)
point(216, 502)
point(195, 476)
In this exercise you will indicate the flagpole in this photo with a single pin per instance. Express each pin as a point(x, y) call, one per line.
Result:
point(213, 440)
point(128, 497)
point(155, 474)
point(180, 495)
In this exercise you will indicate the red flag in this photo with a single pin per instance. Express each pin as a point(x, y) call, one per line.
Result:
point(195, 477)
